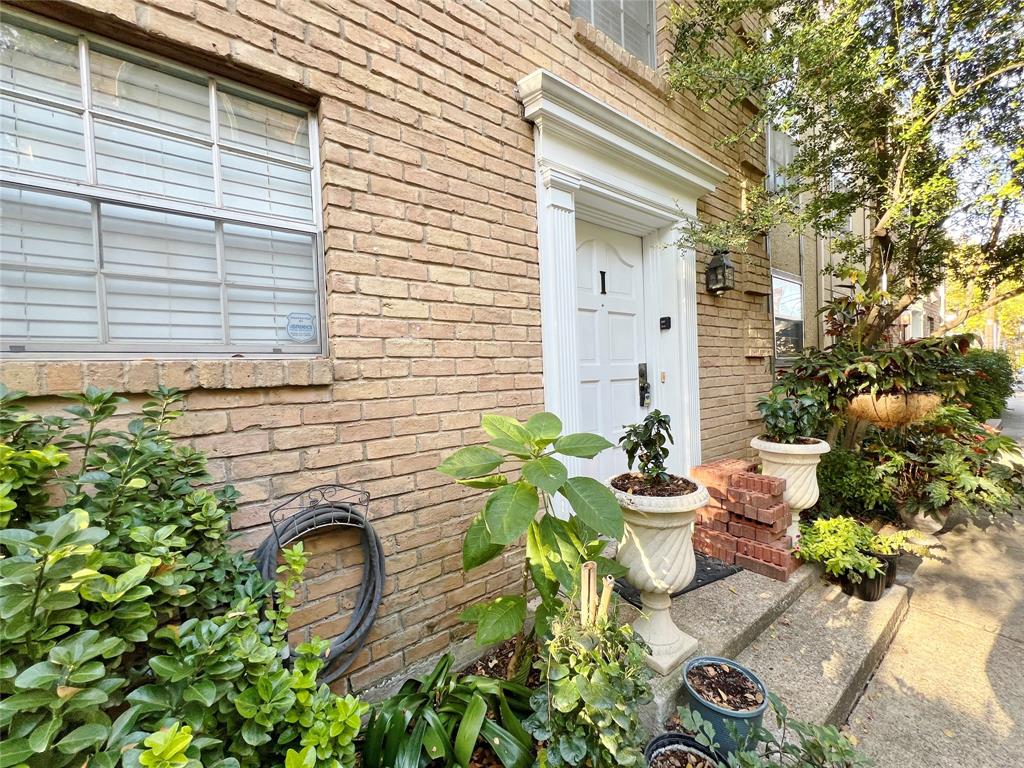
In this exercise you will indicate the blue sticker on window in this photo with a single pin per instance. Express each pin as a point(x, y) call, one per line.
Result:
point(300, 327)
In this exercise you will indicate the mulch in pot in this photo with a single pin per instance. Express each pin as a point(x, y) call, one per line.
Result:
point(678, 757)
point(637, 484)
point(725, 687)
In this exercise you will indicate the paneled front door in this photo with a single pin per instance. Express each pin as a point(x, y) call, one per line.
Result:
point(611, 338)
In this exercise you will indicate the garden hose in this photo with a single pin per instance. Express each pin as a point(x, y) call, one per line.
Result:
point(345, 647)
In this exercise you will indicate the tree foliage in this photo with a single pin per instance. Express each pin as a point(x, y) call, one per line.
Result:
point(909, 110)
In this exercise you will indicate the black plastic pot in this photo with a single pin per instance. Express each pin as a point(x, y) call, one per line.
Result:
point(868, 590)
point(891, 563)
point(682, 742)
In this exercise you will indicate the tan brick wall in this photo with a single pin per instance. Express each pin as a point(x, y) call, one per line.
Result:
point(433, 305)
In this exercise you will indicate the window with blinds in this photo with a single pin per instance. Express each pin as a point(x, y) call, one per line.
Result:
point(788, 309)
point(147, 207)
point(630, 23)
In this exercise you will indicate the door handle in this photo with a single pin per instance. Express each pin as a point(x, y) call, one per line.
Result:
point(645, 385)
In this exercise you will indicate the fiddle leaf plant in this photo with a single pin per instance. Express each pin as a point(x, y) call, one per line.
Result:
point(515, 508)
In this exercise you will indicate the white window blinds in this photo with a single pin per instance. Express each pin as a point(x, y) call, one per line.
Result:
point(630, 23)
point(146, 207)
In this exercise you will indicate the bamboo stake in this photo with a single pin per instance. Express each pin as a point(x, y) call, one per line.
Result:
point(606, 597)
point(591, 567)
point(584, 596)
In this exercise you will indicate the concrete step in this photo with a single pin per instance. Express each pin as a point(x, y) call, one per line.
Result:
point(725, 617)
point(819, 655)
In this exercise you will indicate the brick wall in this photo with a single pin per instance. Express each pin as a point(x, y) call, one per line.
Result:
point(433, 304)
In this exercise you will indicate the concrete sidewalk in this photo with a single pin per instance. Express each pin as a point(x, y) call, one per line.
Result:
point(950, 691)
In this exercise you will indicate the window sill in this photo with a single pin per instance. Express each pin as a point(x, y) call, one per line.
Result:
point(595, 40)
point(56, 377)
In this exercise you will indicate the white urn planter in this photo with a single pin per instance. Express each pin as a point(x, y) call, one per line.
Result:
point(798, 464)
point(658, 551)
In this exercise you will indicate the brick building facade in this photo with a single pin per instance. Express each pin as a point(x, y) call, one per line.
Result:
point(431, 272)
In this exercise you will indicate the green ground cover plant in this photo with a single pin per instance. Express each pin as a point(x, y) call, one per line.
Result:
point(839, 544)
point(132, 635)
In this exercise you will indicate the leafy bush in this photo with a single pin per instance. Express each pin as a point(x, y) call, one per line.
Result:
point(554, 547)
point(849, 484)
point(838, 543)
point(790, 416)
point(988, 377)
point(791, 744)
point(948, 463)
point(594, 679)
point(646, 441)
point(443, 717)
point(132, 635)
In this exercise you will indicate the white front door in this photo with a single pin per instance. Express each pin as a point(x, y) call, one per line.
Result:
point(611, 339)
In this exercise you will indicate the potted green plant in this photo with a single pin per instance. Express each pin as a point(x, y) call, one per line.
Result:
point(727, 696)
point(840, 544)
point(787, 448)
point(594, 679)
point(659, 510)
point(902, 385)
point(890, 547)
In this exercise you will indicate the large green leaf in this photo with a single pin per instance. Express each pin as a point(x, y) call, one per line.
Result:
point(38, 675)
point(83, 737)
point(546, 473)
point(472, 461)
point(509, 512)
point(504, 428)
point(15, 751)
point(544, 427)
point(595, 505)
point(477, 547)
point(469, 729)
point(585, 445)
point(498, 620)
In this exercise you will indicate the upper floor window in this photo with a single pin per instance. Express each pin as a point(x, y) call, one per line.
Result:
point(780, 154)
point(630, 23)
point(146, 207)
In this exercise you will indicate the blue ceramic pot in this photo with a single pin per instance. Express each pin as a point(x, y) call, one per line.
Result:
point(719, 717)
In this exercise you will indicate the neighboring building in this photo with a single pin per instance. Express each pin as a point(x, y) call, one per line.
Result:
point(350, 229)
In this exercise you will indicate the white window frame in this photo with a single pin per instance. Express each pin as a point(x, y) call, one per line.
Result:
point(25, 348)
point(652, 39)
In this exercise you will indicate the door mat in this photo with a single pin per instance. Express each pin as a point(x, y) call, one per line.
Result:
point(709, 570)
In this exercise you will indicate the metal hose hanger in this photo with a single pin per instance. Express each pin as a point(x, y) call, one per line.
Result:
point(321, 508)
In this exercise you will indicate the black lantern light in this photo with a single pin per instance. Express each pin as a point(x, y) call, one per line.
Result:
point(720, 274)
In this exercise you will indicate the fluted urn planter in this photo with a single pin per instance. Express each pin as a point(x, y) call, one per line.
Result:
point(798, 464)
point(657, 549)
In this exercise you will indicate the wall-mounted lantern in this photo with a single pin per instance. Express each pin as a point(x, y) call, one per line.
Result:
point(720, 275)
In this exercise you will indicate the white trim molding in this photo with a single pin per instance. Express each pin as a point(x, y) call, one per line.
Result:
point(596, 164)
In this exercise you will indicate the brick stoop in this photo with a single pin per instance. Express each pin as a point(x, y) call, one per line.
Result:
point(746, 519)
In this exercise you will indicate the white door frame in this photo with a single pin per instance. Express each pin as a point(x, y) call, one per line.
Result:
point(597, 164)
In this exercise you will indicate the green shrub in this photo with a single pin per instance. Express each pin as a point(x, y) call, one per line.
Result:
point(132, 635)
point(851, 485)
point(948, 463)
point(989, 379)
point(594, 680)
point(790, 415)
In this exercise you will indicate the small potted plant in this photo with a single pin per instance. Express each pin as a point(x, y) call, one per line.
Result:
point(840, 544)
point(659, 510)
point(890, 547)
point(786, 447)
point(727, 696)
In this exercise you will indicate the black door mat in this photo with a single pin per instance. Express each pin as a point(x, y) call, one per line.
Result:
point(709, 570)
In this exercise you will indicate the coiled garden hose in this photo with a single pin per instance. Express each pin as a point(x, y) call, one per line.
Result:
point(345, 647)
